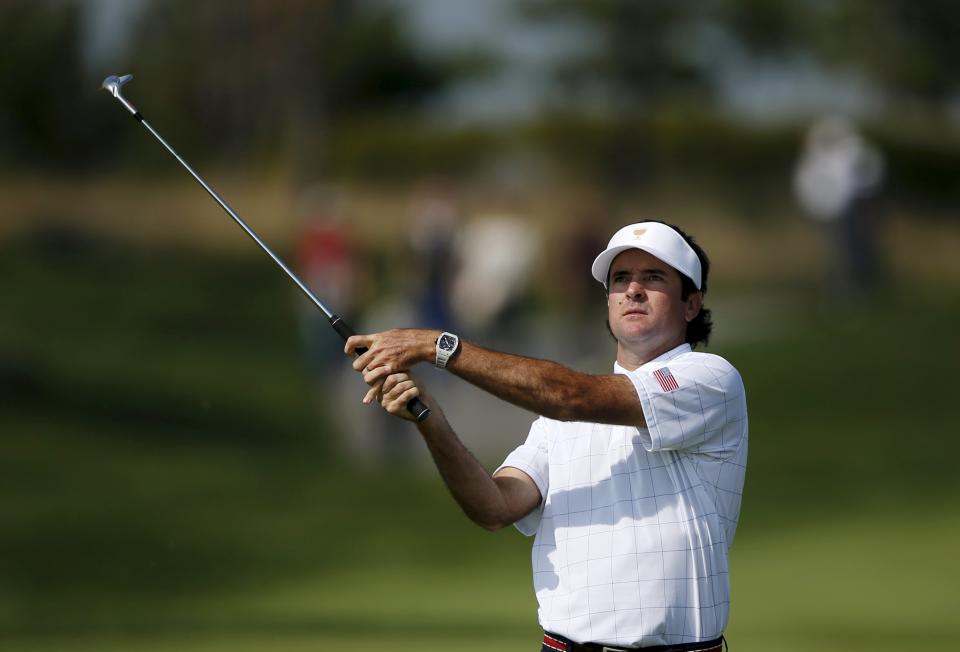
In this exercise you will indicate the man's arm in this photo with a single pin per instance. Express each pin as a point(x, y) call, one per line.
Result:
point(491, 502)
point(541, 386)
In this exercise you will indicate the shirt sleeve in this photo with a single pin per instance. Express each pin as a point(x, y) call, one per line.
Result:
point(691, 404)
point(532, 457)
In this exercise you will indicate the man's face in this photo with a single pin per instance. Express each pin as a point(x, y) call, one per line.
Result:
point(644, 305)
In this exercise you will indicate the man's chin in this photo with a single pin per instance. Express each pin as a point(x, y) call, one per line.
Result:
point(632, 333)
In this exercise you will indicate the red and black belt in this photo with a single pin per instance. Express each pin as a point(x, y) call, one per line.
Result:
point(557, 643)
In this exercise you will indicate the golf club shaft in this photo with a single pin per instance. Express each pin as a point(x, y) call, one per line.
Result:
point(236, 218)
point(414, 405)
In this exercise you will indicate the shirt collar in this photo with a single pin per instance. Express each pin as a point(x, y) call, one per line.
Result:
point(669, 355)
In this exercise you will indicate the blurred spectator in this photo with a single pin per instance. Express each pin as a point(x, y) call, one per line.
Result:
point(837, 179)
point(434, 217)
point(339, 272)
point(496, 253)
point(583, 241)
point(329, 261)
point(581, 295)
point(370, 437)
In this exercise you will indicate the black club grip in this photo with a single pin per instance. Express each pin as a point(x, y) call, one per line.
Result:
point(414, 405)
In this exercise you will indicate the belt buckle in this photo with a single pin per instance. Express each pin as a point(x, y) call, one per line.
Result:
point(614, 649)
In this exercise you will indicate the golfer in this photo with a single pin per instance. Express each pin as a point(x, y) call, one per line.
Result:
point(630, 481)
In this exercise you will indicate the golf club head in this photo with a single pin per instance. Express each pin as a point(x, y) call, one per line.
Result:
point(112, 85)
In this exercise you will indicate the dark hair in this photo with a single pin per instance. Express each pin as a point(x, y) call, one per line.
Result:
point(700, 327)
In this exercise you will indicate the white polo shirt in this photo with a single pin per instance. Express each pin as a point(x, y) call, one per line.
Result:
point(635, 523)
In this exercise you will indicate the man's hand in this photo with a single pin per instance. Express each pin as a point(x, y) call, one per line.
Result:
point(399, 348)
point(395, 391)
point(389, 352)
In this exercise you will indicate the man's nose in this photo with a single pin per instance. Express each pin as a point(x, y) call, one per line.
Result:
point(636, 291)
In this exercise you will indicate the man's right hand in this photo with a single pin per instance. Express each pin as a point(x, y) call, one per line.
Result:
point(397, 390)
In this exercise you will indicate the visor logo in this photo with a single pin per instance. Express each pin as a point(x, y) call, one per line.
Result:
point(639, 232)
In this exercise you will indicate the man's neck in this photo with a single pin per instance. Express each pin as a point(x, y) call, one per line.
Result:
point(632, 356)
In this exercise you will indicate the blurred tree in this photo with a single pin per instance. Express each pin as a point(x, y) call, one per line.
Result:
point(652, 80)
point(914, 64)
point(635, 68)
point(636, 60)
point(46, 116)
point(643, 50)
point(909, 48)
point(278, 76)
point(251, 76)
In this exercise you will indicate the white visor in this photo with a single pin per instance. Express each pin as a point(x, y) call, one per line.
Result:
point(656, 239)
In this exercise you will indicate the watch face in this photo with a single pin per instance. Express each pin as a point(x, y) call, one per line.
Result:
point(447, 343)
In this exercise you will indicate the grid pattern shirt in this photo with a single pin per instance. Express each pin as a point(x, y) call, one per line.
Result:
point(634, 526)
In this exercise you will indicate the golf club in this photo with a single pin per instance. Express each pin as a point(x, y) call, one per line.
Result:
point(113, 84)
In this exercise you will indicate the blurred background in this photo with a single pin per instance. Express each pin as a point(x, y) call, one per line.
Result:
point(184, 460)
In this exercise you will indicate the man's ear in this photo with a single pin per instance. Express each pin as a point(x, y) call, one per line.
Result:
point(693, 305)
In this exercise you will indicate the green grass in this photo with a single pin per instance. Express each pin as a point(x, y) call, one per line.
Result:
point(165, 483)
point(878, 579)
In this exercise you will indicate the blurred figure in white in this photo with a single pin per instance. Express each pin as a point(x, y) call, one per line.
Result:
point(496, 254)
point(837, 178)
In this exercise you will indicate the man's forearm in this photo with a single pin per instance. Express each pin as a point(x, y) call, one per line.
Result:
point(540, 386)
point(469, 483)
point(548, 388)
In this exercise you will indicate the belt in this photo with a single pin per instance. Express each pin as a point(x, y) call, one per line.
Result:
point(557, 643)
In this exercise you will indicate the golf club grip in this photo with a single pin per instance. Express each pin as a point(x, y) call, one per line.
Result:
point(414, 405)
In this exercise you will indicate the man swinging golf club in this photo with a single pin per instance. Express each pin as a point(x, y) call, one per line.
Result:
point(630, 481)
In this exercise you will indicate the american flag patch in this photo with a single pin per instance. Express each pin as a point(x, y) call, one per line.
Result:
point(667, 382)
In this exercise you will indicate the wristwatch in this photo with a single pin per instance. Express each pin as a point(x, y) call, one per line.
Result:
point(447, 345)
